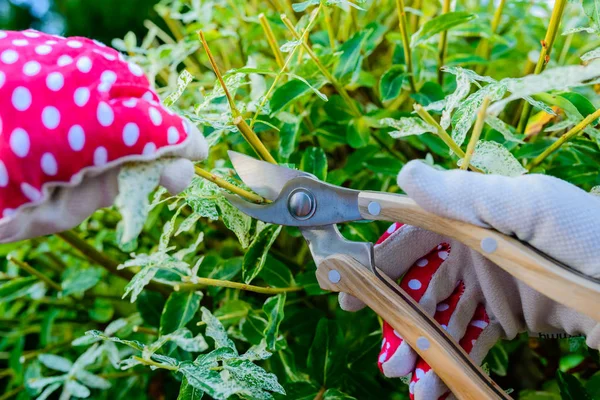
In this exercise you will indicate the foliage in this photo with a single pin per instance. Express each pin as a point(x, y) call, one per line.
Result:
point(217, 305)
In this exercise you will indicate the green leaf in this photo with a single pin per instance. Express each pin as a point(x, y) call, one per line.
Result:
point(273, 308)
point(391, 82)
point(188, 392)
point(322, 362)
point(300, 7)
point(592, 10)
point(592, 386)
point(438, 24)
point(255, 257)
point(276, 274)
point(358, 133)
point(335, 394)
point(78, 280)
point(102, 310)
point(288, 139)
point(292, 90)
point(351, 56)
point(150, 306)
point(179, 310)
point(497, 360)
point(314, 161)
point(16, 288)
point(570, 387)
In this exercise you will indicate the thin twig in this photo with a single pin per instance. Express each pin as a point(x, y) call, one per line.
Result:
point(155, 364)
point(328, 75)
point(147, 331)
point(441, 132)
point(483, 48)
point(557, 12)
point(406, 43)
point(285, 65)
point(203, 282)
point(105, 261)
point(12, 393)
point(30, 270)
point(564, 138)
point(228, 186)
point(476, 133)
point(443, 43)
point(248, 134)
point(271, 40)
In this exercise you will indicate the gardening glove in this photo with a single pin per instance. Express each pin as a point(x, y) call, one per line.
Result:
point(476, 301)
point(72, 113)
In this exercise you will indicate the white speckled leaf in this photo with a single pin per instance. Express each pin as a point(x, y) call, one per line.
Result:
point(493, 158)
point(407, 126)
point(463, 86)
point(561, 78)
point(506, 130)
point(136, 182)
point(183, 81)
point(590, 55)
point(466, 113)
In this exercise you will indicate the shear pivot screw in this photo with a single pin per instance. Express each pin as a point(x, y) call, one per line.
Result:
point(301, 204)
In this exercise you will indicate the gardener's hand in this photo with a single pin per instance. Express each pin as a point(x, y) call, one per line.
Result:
point(72, 112)
point(476, 301)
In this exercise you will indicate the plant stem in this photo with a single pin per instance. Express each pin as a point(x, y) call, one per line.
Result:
point(228, 186)
point(203, 282)
point(147, 331)
point(329, 25)
point(281, 71)
point(414, 18)
point(476, 133)
point(564, 138)
point(30, 270)
point(443, 44)
point(328, 75)
point(226, 317)
point(557, 12)
point(565, 49)
point(155, 364)
point(271, 40)
point(12, 393)
point(248, 133)
point(483, 48)
point(28, 355)
point(406, 43)
point(106, 262)
point(441, 132)
point(253, 139)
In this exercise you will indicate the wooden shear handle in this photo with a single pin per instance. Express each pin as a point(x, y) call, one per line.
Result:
point(341, 273)
point(537, 270)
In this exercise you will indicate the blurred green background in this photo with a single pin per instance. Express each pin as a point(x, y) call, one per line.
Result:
point(99, 19)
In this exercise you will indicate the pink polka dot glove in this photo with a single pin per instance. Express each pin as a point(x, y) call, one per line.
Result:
point(473, 299)
point(72, 112)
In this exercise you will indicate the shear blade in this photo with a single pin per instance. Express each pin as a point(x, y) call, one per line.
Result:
point(264, 178)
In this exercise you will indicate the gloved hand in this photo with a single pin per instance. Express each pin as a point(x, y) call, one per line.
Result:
point(72, 112)
point(476, 301)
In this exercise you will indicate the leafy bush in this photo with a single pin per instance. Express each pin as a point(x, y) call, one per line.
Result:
point(209, 301)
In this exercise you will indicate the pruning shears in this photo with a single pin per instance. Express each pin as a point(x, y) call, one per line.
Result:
point(299, 199)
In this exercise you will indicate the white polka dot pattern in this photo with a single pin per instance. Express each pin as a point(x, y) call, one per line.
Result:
point(71, 104)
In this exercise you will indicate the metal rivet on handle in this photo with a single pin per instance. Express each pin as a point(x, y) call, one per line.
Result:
point(423, 343)
point(489, 245)
point(374, 208)
point(334, 276)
